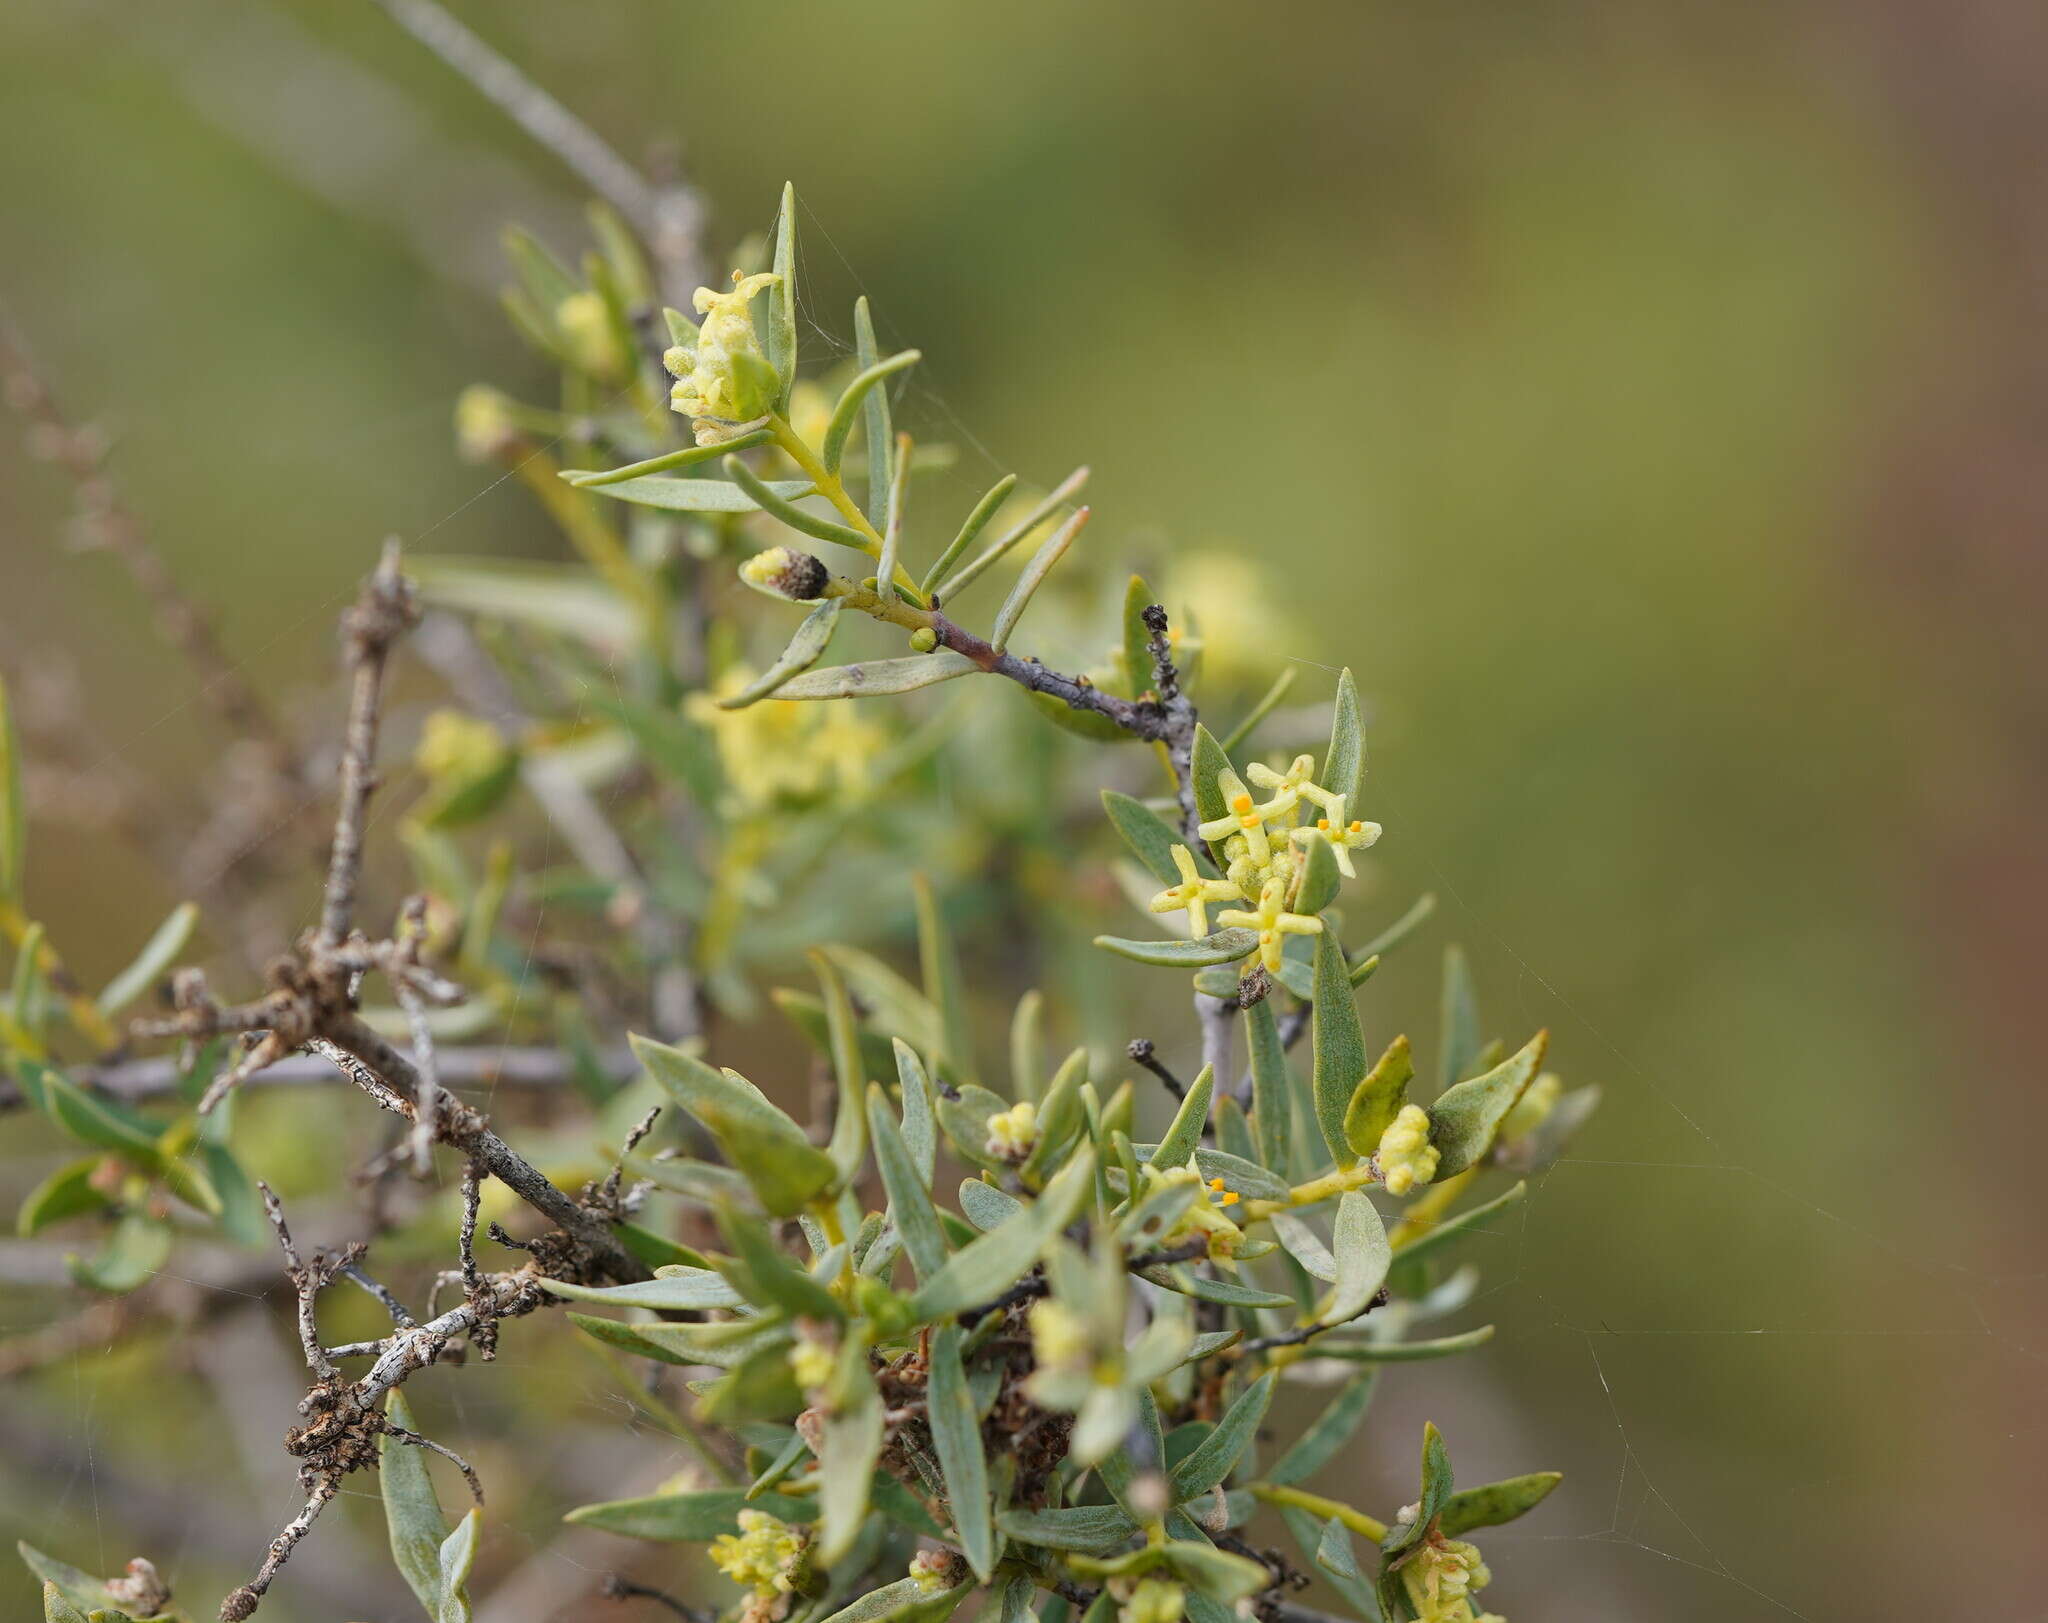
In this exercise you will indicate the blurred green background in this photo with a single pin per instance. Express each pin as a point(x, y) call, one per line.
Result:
point(1644, 400)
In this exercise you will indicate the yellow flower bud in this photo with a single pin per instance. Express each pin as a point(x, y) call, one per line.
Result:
point(485, 427)
point(1013, 1133)
point(1059, 1337)
point(585, 324)
point(811, 1362)
point(1154, 1600)
point(762, 1556)
point(1406, 1157)
point(1441, 1577)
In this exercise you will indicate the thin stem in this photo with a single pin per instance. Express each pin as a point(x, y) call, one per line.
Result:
point(1272, 1493)
point(833, 489)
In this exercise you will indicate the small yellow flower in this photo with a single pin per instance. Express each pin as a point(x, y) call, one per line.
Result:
point(725, 385)
point(1288, 788)
point(1204, 1217)
point(1243, 819)
point(486, 423)
point(1013, 1133)
point(1344, 837)
point(1272, 921)
point(1059, 1337)
point(762, 1556)
point(1194, 893)
point(932, 1570)
point(811, 1362)
point(1405, 1155)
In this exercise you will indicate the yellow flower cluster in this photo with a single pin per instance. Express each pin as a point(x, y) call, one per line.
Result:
point(1013, 1133)
point(1406, 1157)
point(1265, 847)
point(762, 1556)
point(783, 752)
point(932, 1571)
point(1441, 1578)
point(725, 385)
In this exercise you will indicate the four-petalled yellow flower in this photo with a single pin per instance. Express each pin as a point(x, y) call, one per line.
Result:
point(1194, 893)
point(1272, 920)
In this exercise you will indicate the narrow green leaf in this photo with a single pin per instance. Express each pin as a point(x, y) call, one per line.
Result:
point(920, 1130)
point(1084, 1529)
point(677, 1290)
point(457, 1557)
point(1465, 1118)
point(785, 1169)
point(1378, 1099)
point(956, 1436)
point(986, 1206)
point(976, 521)
point(1340, 1060)
point(1151, 838)
point(79, 1588)
point(1305, 1246)
point(1185, 1132)
point(1320, 878)
point(833, 448)
point(1458, 1035)
point(1359, 1242)
point(722, 1346)
point(1223, 947)
point(157, 956)
point(1449, 1228)
point(877, 1604)
point(667, 462)
point(1402, 928)
point(879, 676)
point(1334, 1553)
point(876, 432)
point(1216, 1455)
point(1497, 1503)
point(1215, 1574)
point(1138, 675)
point(848, 1449)
point(1402, 1352)
point(1268, 703)
point(763, 1272)
point(1328, 1434)
point(1206, 759)
point(910, 1206)
point(136, 1249)
point(702, 495)
point(1307, 1534)
point(1272, 1086)
point(778, 339)
point(1067, 489)
point(1042, 564)
point(778, 505)
point(992, 1264)
point(939, 966)
point(67, 1192)
point(57, 1607)
point(849, 1146)
point(693, 1518)
point(1344, 762)
point(1027, 1050)
point(805, 649)
point(412, 1510)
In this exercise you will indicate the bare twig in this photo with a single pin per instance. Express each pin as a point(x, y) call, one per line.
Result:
point(617, 1586)
point(380, 616)
point(670, 218)
point(1142, 1052)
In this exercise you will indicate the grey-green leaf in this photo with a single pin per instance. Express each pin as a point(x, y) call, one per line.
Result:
point(785, 1169)
point(1214, 1457)
point(1272, 1085)
point(1464, 1120)
point(1185, 1132)
point(1403, 1352)
point(679, 1290)
point(412, 1510)
point(1332, 1429)
point(1344, 762)
point(1320, 877)
point(1449, 1228)
point(833, 448)
point(697, 495)
point(457, 1556)
point(805, 648)
point(1340, 1061)
point(1359, 1242)
point(157, 956)
point(687, 1517)
point(920, 1130)
point(1151, 838)
point(990, 1265)
point(1458, 1034)
point(956, 1436)
point(1206, 760)
point(1042, 564)
point(910, 1205)
point(1496, 1503)
point(1223, 947)
point(875, 677)
point(779, 338)
point(1086, 1529)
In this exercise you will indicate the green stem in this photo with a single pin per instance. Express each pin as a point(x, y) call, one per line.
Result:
point(1322, 1509)
point(833, 489)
